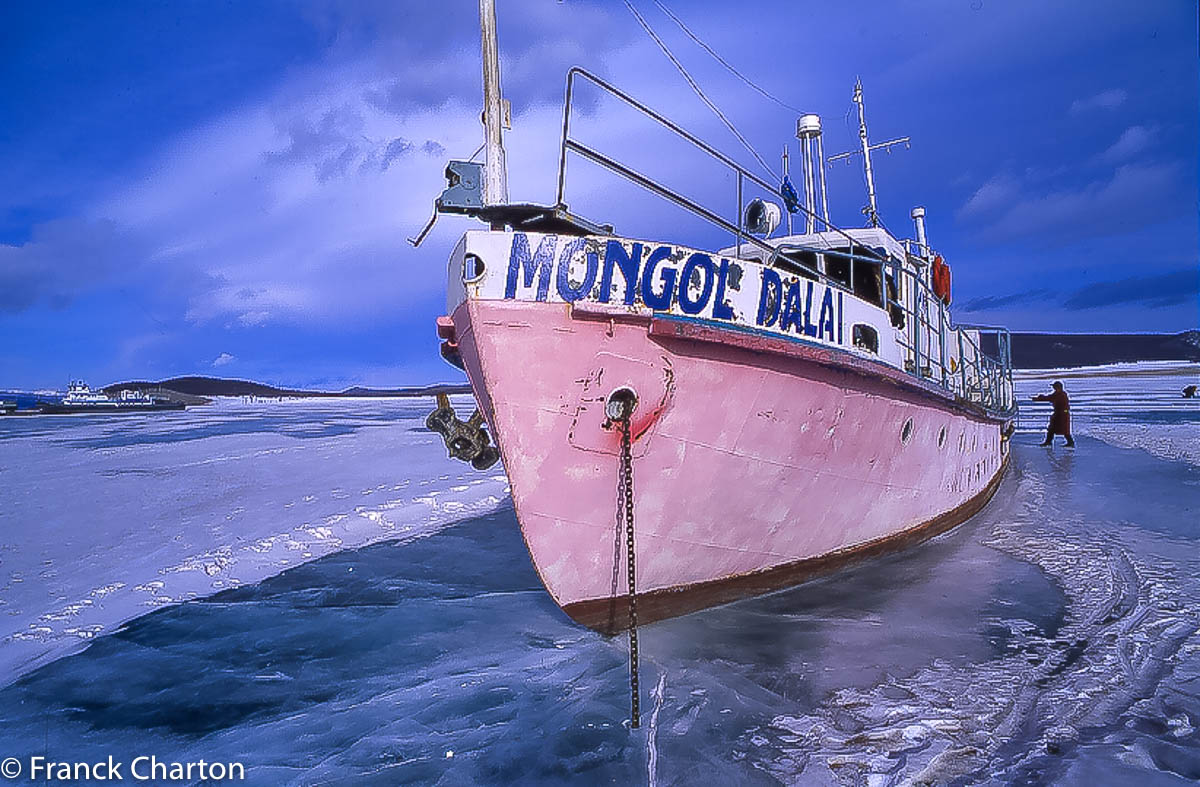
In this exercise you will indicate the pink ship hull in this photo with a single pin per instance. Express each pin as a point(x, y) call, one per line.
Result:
point(758, 461)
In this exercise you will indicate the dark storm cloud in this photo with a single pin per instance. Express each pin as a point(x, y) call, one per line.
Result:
point(397, 148)
point(61, 260)
point(334, 142)
point(986, 302)
point(1167, 289)
point(1134, 195)
point(331, 142)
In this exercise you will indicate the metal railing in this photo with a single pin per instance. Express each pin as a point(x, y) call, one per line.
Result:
point(934, 349)
point(742, 174)
point(950, 355)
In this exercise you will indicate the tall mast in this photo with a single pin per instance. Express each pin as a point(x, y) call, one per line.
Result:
point(872, 210)
point(495, 176)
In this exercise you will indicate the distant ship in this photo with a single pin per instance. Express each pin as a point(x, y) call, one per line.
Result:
point(82, 399)
point(737, 419)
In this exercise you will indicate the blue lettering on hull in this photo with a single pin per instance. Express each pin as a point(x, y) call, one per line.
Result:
point(700, 284)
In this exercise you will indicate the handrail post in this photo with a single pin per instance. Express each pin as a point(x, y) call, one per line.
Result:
point(979, 376)
point(923, 346)
point(996, 385)
point(962, 365)
point(915, 291)
point(566, 127)
point(852, 256)
point(1008, 360)
point(738, 216)
point(942, 340)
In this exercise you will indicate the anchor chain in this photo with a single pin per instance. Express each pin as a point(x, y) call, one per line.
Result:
point(625, 493)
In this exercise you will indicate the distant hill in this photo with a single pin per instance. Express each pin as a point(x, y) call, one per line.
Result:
point(216, 386)
point(208, 386)
point(1057, 350)
point(419, 390)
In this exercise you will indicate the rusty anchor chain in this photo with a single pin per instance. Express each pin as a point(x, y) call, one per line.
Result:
point(619, 410)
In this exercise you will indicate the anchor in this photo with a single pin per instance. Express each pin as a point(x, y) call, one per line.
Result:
point(467, 440)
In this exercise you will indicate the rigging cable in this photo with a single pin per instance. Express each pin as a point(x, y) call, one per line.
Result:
point(722, 60)
point(695, 87)
point(717, 111)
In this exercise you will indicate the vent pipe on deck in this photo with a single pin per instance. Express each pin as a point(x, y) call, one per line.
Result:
point(918, 217)
point(821, 169)
point(808, 131)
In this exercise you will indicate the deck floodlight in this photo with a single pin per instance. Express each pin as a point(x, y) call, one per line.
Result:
point(762, 217)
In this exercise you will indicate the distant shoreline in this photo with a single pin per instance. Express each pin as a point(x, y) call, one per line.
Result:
point(218, 386)
point(1073, 350)
point(1122, 369)
point(196, 391)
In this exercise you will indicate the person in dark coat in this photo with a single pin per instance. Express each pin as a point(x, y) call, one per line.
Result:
point(1060, 420)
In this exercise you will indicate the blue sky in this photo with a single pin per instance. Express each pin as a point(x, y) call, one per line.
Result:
point(225, 188)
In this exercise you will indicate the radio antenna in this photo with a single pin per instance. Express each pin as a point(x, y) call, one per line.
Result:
point(872, 209)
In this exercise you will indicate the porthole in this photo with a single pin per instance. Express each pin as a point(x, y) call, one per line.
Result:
point(942, 437)
point(906, 431)
point(472, 269)
point(866, 338)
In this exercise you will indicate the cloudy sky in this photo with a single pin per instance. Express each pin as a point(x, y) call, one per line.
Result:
point(225, 188)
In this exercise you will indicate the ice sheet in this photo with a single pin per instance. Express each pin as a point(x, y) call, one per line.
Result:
point(1128, 405)
point(107, 517)
point(1051, 639)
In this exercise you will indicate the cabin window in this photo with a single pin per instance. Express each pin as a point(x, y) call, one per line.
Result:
point(804, 263)
point(866, 338)
point(906, 431)
point(894, 302)
point(838, 268)
point(868, 281)
point(472, 269)
point(863, 277)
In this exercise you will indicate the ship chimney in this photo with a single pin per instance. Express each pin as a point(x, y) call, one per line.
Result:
point(918, 217)
point(812, 154)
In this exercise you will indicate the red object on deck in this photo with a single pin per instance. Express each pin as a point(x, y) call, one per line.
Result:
point(941, 279)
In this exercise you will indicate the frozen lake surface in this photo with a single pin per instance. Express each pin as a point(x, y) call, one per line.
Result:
point(311, 588)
